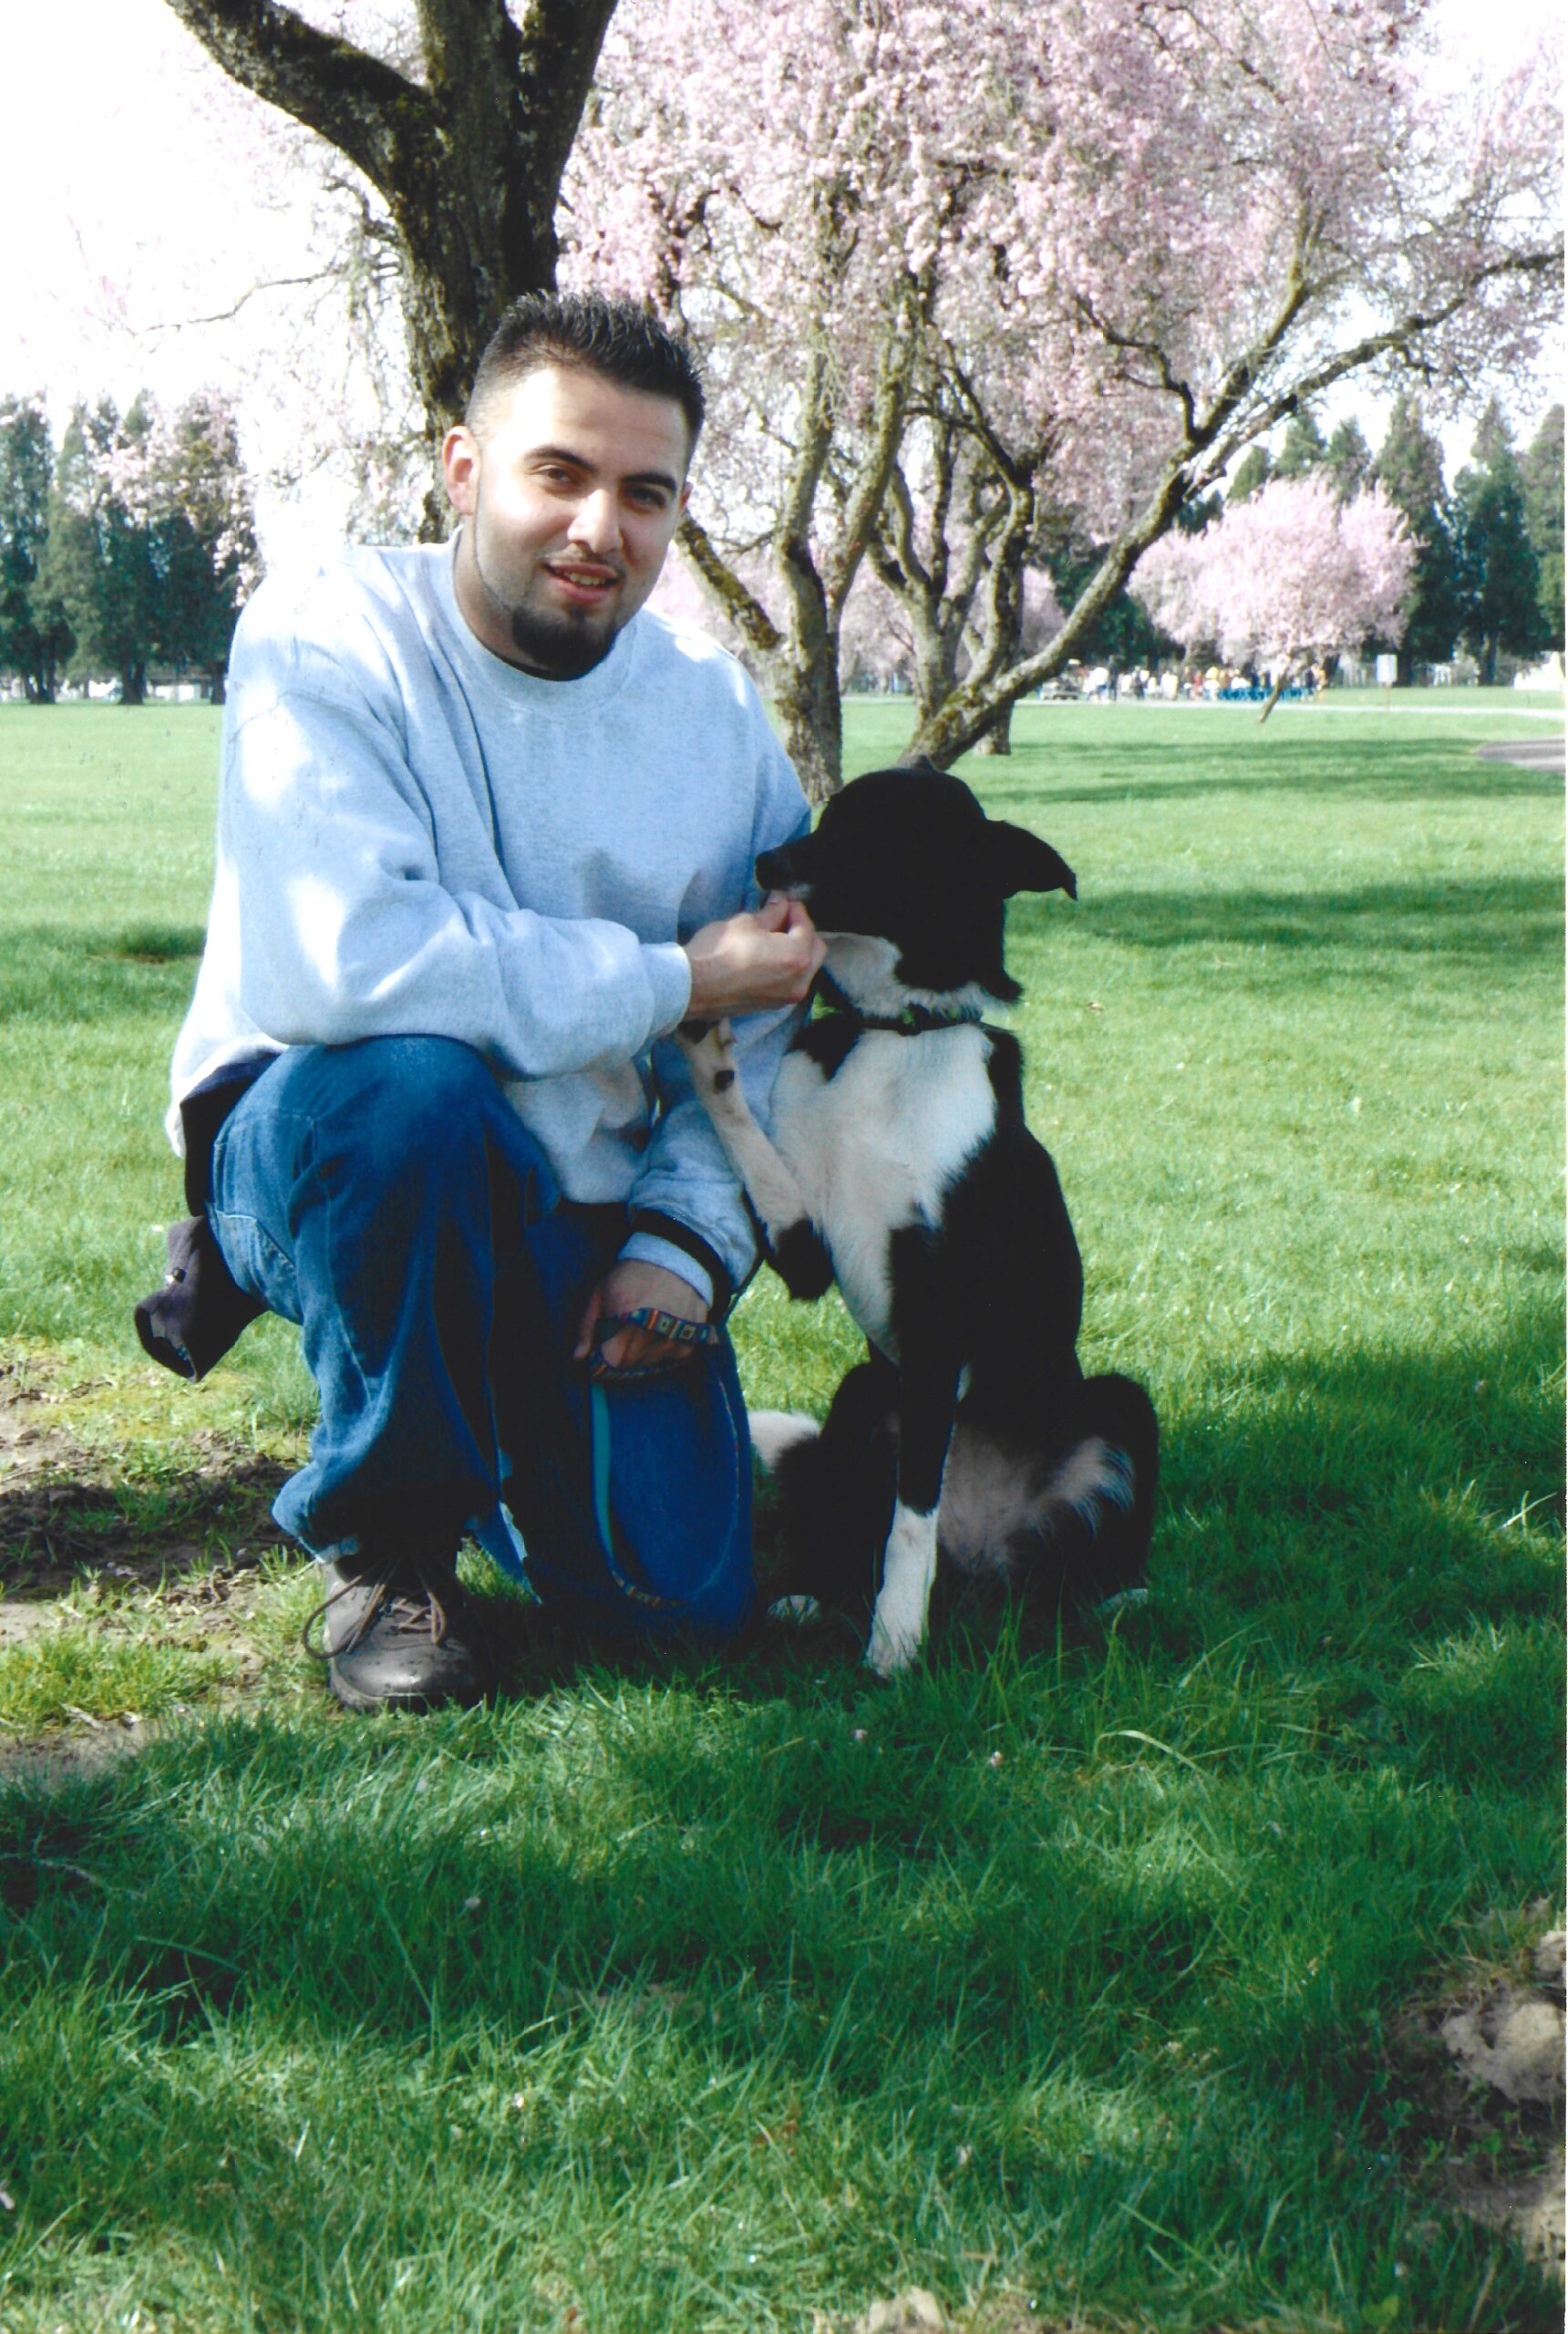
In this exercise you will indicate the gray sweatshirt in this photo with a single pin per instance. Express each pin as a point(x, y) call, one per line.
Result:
point(416, 838)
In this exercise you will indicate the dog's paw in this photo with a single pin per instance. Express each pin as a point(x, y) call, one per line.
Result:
point(711, 1055)
point(890, 1652)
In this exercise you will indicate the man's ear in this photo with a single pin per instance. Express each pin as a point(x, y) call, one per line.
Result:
point(1021, 862)
point(460, 465)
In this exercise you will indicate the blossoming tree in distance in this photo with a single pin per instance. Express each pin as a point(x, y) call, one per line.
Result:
point(1288, 575)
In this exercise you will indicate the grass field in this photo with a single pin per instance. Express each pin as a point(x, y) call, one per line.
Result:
point(1087, 1978)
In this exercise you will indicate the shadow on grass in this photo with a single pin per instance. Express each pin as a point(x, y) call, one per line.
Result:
point(1357, 1503)
point(478, 1956)
point(58, 1525)
point(62, 973)
point(1505, 926)
point(1165, 1873)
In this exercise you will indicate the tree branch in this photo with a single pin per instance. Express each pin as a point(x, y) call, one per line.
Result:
point(469, 167)
point(889, 404)
point(747, 614)
point(557, 58)
point(362, 105)
point(1399, 337)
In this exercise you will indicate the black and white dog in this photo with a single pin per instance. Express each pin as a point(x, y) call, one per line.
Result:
point(900, 1163)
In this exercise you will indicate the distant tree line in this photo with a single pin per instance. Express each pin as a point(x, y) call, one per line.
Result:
point(1488, 564)
point(128, 548)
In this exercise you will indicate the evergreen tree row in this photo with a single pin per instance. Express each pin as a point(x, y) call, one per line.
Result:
point(1488, 572)
point(131, 547)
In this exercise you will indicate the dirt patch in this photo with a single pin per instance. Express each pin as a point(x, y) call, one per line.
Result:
point(916, 2311)
point(175, 1555)
point(65, 1509)
point(1477, 2081)
point(84, 1750)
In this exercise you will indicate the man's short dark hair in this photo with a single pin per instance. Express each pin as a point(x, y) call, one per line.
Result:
point(619, 339)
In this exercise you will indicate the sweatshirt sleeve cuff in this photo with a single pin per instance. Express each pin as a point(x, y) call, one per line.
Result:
point(643, 1248)
point(682, 1251)
point(668, 968)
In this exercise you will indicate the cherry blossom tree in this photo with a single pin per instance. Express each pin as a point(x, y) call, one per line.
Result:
point(1106, 247)
point(1289, 574)
point(764, 187)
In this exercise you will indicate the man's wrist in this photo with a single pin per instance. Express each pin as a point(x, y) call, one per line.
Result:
point(669, 971)
point(656, 1238)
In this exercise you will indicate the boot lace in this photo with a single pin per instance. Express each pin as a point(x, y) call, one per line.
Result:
point(415, 1596)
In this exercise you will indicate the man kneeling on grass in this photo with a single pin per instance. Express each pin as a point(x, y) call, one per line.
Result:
point(486, 834)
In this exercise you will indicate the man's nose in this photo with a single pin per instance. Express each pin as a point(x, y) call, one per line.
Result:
point(597, 525)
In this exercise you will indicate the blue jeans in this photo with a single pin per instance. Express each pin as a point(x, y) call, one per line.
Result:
point(386, 1197)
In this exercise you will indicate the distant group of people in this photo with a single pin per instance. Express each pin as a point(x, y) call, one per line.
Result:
point(1213, 684)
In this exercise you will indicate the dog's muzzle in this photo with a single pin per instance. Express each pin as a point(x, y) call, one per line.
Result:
point(774, 874)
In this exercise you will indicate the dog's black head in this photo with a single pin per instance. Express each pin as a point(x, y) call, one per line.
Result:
point(909, 859)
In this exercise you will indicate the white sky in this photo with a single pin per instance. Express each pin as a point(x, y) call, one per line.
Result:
point(127, 189)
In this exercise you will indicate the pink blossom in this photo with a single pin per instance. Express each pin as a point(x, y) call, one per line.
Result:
point(1120, 237)
point(1287, 575)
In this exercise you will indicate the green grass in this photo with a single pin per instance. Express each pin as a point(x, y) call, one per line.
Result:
point(701, 1994)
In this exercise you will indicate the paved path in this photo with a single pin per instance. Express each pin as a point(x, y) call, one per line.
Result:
point(1526, 753)
point(1412, 701)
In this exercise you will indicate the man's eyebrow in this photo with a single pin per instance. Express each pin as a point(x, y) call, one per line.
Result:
point(580, 462)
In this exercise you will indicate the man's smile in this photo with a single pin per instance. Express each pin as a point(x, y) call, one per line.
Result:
point(585, 582)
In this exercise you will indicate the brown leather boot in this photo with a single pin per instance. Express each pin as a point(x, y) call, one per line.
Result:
point(392, 1626)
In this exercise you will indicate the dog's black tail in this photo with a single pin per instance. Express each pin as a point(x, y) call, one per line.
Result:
point(1092, 1537)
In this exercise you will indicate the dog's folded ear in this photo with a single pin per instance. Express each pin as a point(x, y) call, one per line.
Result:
point(1021, 862)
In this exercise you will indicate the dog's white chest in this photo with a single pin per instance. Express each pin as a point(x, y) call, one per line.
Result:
point(876, 1147)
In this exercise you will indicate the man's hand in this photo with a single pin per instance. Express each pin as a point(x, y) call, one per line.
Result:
point(626, 1287)
point(749, 964)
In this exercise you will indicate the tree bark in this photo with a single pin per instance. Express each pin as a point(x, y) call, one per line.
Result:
point(998, 738)
point(810, 713)
point(469, 164)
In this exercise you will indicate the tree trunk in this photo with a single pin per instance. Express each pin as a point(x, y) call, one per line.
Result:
point(998, 737)
point(468, 166)
point(810, 713)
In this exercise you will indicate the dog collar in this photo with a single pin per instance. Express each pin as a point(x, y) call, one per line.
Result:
point(914, 1021)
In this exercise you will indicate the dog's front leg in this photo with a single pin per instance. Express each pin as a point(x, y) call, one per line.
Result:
point(909, 1571)
point(909, 1560)
point(928, 1398)
point(794, 1249)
